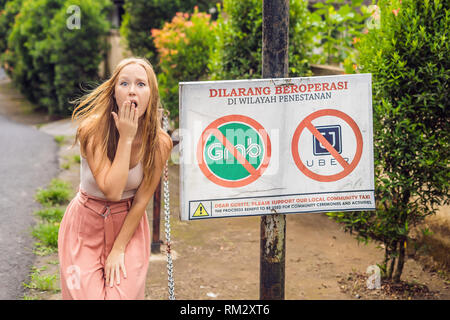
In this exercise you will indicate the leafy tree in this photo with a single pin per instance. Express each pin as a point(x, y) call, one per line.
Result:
point(408, 56)
point(238, 51)
point(8, 11)
point(48, 68)
point(76, 54)
point(141, 16)
point(339, 25)
point(183, 45)
point(30, 71)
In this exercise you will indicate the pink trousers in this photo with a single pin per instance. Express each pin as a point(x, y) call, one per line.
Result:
point(86, 236)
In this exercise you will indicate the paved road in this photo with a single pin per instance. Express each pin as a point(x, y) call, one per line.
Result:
point(2, 74)
point(28, 160)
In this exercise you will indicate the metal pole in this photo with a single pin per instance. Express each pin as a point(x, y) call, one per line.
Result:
point(156, 242)
point(273, 227)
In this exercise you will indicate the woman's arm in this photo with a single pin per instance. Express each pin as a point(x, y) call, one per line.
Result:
point(143, 195)
point(112, 178)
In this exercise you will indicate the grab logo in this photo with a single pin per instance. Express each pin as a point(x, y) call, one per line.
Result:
point(233, 151)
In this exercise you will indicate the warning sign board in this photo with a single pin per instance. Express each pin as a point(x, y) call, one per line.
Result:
point(254, 147)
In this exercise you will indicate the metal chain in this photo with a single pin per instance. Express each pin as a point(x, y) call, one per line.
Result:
point(171, 283)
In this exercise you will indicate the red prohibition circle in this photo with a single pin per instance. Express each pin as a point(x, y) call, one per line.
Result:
point(212, 128)
point(306, 123)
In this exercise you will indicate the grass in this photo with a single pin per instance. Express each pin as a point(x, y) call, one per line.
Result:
point(60, 140)
point(58, 192)
point(53, 199)
point(41, 282)
point(71, 160)
point(50, 214)
point(76, 158)
point(43, 250)
point(47, 233)
point(65, 166)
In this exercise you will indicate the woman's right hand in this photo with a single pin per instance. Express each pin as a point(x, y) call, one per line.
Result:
point(127, 121)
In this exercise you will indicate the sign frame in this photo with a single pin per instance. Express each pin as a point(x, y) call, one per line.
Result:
point(195, 94)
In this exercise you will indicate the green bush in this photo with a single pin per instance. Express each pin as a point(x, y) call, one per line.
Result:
point(238, 51)
point(8, 12)
point(184, 47)
point(29, 70)
point(408, 56)
point(48, 68)
point(76, 54)
point(338, 25)
point(141, 16)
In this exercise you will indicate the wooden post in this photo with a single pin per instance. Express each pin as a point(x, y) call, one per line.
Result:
point(156, 242)
point(273, 227)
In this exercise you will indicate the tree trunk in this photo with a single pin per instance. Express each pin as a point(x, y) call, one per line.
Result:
point(384, 267)
point(392, 249)
point(401, 261)
point(391, 269)
point(402, 243)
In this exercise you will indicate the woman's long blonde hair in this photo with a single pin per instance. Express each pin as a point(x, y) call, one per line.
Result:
point(96, 122)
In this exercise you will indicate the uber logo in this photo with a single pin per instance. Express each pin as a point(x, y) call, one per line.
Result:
point(333, 135)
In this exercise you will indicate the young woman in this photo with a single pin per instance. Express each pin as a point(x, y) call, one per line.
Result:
point(104, 238)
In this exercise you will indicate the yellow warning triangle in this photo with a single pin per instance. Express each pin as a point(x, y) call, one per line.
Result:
point(201, 211)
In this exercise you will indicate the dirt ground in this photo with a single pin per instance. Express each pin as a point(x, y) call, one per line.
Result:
point(219, 258)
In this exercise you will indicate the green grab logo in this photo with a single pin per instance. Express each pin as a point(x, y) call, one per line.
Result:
point(233, 151)
point(221, 161)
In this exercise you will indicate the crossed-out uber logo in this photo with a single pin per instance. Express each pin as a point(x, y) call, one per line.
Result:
point(333, 134)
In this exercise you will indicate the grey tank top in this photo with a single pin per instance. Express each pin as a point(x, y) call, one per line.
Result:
point(89, 185)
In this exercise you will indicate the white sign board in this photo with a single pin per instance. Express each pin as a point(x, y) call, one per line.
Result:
point(255, 147)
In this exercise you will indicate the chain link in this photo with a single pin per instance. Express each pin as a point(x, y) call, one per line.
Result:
point(171, 283)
